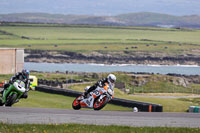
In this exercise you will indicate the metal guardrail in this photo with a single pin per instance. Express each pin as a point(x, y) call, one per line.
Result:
point(142, 106)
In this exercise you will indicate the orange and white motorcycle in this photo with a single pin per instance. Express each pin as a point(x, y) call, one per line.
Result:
point(96, 99)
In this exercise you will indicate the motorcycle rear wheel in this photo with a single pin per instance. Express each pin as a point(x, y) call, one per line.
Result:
point(11, 100)
point(100, 104)
point(76, 104)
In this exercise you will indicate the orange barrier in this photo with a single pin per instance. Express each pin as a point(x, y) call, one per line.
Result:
point(2, 84)
point(150, 107)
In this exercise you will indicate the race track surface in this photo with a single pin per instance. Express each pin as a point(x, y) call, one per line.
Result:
point(46, 116)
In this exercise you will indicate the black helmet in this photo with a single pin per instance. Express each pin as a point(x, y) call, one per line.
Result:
point(25, 73)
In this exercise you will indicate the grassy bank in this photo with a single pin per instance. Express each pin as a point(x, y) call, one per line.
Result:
point(45, 100)
point(6, 77)
point(169, 104)
point(136, 83)
point(79, 128)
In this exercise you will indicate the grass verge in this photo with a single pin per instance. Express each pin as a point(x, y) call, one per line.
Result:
point(79, 128)
point(44, 100)
point(169, 104)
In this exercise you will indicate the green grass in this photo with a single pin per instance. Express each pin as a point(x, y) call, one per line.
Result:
point(6, 77)
point(192, 100)
point(169, 105)
point(101, 33)
point(80, 128)
point(84, 38)
point(45, 100)
point(157, 83)
point(164, 87)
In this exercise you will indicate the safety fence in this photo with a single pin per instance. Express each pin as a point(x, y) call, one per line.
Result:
point(141, 106)
point(57, 83)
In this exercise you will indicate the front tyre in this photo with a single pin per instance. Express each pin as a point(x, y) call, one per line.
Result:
point(1, 102)
point(76, 103)
point(11, 100)
point(99, 104)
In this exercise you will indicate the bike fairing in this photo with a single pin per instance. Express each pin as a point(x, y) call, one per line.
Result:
point(13, 93)
point(98, 92)
point(22, 76)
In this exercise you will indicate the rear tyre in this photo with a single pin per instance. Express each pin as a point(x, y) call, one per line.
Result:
point(76, 104)
point(100, 104)
point(11, 100)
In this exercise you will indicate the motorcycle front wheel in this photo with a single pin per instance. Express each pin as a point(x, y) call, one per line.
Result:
point(11, 100)
point(99, 104)
point(76, 104)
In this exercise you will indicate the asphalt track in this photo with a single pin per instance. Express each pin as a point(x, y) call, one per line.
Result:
point(16, 115)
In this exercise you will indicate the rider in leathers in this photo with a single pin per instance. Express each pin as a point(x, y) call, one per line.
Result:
point(110, 79)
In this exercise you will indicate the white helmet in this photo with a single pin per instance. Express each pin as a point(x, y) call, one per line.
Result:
point(111, 78)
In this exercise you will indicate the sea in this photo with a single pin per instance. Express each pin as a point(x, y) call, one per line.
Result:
point(102, 68)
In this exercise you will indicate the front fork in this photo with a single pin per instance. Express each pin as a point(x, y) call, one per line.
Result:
point(101, 98)
point(5, 94)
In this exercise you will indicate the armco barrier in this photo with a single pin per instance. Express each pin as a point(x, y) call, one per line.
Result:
point(142, 106)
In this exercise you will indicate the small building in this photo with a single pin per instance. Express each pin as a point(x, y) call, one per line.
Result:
point(11, 60)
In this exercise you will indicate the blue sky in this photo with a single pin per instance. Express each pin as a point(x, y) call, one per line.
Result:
point(101, 7)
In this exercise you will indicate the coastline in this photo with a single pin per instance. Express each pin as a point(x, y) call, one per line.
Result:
point(110, 58)
point(119, 62)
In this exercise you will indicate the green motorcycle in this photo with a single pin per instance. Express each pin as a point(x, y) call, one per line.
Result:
point(13, 93)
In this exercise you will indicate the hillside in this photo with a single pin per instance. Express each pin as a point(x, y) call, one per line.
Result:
point(156, 19)
point(131, 19)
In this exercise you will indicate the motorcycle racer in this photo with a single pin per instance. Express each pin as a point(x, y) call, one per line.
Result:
point(23, 76)
point(110, 79)
point(96, 96)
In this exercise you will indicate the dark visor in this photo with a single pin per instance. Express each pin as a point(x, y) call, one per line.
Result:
point(112, 81)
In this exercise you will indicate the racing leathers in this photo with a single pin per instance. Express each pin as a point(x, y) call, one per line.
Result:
point(100, 83)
